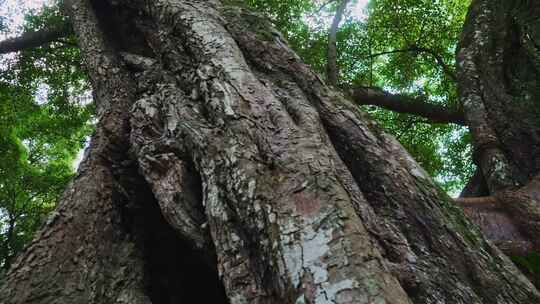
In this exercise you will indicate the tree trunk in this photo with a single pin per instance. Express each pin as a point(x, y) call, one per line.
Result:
point(498, 78)
point(221, 161)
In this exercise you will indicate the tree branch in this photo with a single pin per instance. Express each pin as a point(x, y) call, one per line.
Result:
point(478, 202)
point(510, 218)
point(324, 5)
point(405, 104)
point(33, 39)
point(332, 69)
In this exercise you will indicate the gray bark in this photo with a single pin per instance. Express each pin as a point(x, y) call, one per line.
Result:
point(498, 74)
point(251, 167)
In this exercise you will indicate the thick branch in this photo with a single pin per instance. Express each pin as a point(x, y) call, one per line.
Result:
point(531, 191)
point(33, 39)
point(332, 69)
point(478, 202)
point(521, 206)
point(406, 104)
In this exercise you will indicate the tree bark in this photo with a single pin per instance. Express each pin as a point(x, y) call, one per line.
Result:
point(217, 144)
point(498, 72)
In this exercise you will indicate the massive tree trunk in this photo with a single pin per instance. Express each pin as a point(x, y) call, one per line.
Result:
point(221, 161)
point(499, 71)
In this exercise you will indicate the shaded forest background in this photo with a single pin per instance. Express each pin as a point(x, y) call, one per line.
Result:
point(404, 48)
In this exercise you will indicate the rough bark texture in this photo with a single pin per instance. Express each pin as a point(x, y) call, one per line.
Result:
point(498, 77)
point(251, 167)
